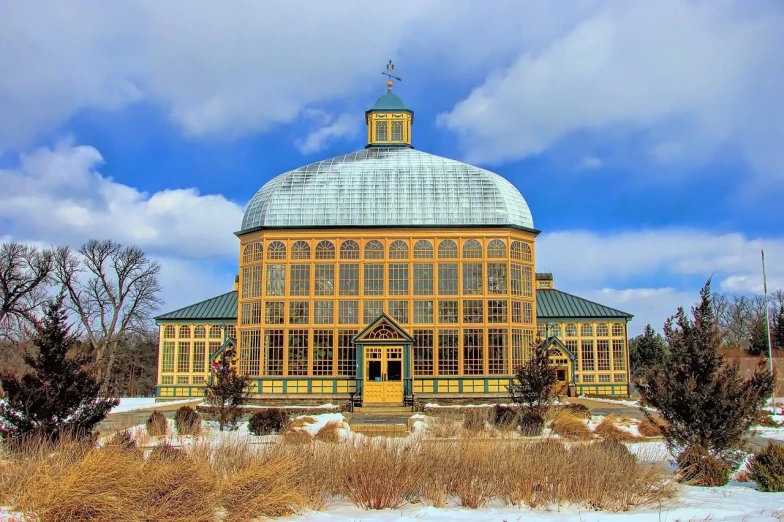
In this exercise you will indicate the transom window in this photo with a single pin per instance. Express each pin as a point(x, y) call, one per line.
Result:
point(349, 250)
point(571, 330)
point(374, 250)
point(496, 248)
point(521, 251)
point(398, 250)
point(325, 250)
point(472, 249)
point(276, 250)
point(586, 330)
point(252, 253)
point(423, 249)
point(168, 332)
point(447, 249)
point(617, 329)
point(185, 332)
point(300, 250)
point(200, 332)
point(602, 330)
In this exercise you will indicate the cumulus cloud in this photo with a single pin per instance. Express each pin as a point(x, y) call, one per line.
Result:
point(329, 129)
point(58, 196)
point(650, 273)
point(692, 77)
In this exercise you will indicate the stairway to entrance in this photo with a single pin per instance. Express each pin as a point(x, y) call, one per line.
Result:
point(384, 420)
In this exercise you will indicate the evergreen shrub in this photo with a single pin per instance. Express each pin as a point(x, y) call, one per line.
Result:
point(530, 422)
point(505, 416)
point(266, 422)
point(766, 468)
point(187, 421)
point(700, 467)
point(157, 425)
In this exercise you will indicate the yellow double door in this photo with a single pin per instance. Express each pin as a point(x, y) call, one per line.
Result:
point(383, 374)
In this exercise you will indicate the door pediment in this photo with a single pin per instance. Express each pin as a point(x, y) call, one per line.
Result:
point(383, 330)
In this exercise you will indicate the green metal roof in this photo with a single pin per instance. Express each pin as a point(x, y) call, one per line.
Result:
point(389, 102)
point(556, 304)
point(223, 307)
point(549, 303)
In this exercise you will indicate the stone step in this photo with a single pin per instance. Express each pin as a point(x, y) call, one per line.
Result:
point(383, 408)
point(381, 430)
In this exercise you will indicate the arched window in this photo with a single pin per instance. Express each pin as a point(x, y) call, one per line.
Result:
point(398, 250)
point(381, 131)
point(526, 253)
point(199, 332)
point(423, 249)
point(397, 131)
point(555, 330)
point(252, 253)
point(215, 332)
point(300, 250)
point(447, 249)
point(325, 250)
point(516, 250)
point(571, 330)
point(496, 248)
point(374, 250)
point(617, 330)
point(185, 332)
point(472, 248)
point(168, 332)
point(602, 330)
point(586, 330)
point(231, 331)
point(276, 250)
point(349, 250)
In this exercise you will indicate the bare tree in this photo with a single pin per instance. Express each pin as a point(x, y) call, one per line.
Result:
point(113, 290)
point(25, 273)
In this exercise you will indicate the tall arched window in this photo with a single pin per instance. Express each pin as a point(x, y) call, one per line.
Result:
point(526, 253)
point(602, 330)
point(472, 249)
point(168, 332)
point(398, 250)
point(586, 330)
point(276, 250)
point(374, 250)
point(349, 250)
point(325, 250)
point(215, 332)
point(496, 248)
point(397, 131)
point(185, 332)
point(447, 249)
point(300, 250)
point(199, 332)
point(381, 131)
point(252, 253)
point(423, 249)
point(571, 330)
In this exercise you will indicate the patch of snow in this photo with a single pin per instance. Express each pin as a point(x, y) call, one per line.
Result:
point(145, 403)
point(321, 421)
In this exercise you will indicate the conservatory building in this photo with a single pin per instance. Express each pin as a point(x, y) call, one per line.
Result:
point(387, 275)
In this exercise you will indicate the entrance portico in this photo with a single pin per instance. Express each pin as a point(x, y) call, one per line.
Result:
point(383, 351)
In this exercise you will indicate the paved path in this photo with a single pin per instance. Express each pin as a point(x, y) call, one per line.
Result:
point(127, 419)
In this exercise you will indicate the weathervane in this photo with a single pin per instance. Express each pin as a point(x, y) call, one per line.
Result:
point(390, 68)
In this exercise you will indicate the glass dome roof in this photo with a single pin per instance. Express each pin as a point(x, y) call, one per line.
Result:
point(387, 187)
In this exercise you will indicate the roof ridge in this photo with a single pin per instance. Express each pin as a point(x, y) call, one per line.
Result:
point(195, 304)
point(621, 312)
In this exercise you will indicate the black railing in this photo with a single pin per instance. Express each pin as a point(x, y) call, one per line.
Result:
point(408, 393)
point(356, 396)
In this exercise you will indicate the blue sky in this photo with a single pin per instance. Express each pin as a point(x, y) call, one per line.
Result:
point(646, 137)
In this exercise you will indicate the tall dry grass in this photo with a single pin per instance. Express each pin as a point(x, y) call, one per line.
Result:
point(239, 481)
point(570, 426)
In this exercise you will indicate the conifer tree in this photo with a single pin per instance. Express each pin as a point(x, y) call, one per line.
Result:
point(58, 396)
point(707, 405)
point(646, 351)
point(532, 387)
point(758, 345)
point(226, 393)
point(777, 328)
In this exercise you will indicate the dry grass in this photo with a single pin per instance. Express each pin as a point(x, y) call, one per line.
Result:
point(297, 437)
point(157, 426)
point(301, 422)
point(608, 429)
point(570, 426)
point(330, 432)
point(239, 481)
point(647, 428)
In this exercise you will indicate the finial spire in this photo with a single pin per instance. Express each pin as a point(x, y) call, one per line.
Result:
point(390, 76)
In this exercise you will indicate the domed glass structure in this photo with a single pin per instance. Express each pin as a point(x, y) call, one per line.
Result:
point(387, 187)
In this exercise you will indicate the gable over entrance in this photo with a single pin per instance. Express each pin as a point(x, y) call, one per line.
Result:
point(384, 330)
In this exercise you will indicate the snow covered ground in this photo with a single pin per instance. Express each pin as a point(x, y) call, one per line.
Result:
point(144, 403)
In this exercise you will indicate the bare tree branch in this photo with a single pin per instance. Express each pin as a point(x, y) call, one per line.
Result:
point(113, 289)
point(25, 273)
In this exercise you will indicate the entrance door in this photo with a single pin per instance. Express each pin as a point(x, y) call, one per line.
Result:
point(383, 374)
point(561, 380)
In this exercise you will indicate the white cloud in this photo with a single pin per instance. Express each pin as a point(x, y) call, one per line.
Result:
point(591, 162)
point(186, 281)
point(648, 305)
point(58, 196)
point(330, 129)
point(695, 77)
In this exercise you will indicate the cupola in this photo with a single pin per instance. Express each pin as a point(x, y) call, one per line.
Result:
point(389, 120)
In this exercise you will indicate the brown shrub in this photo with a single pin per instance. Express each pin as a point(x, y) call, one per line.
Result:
point(475, 419)
point(580, 411)
point(567, 425)
point(266, 487)
point(330, 432)
point(698, 467)
point(187, 421)
point(648, 428)
point(297, 437)
point(608, 429)
point(301, 422)
point(157, 425)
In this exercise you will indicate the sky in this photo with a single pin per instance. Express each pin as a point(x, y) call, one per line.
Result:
point(646, 137)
